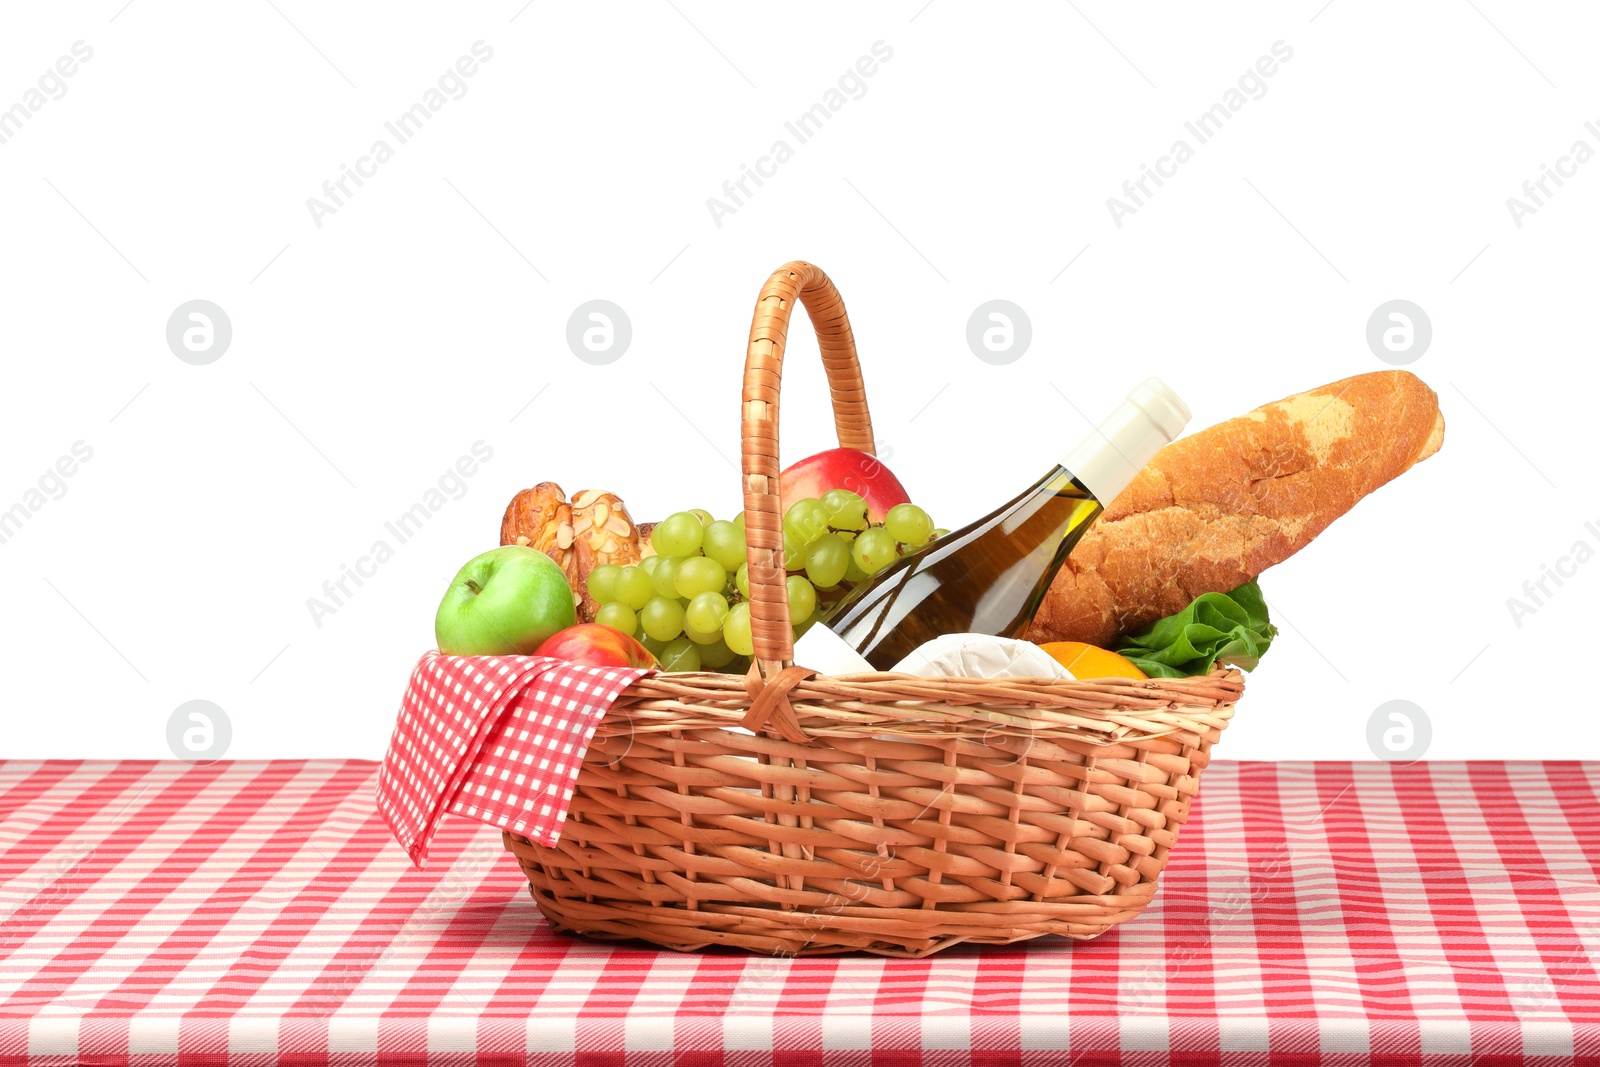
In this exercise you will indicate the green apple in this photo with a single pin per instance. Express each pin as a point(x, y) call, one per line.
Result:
point(504, 602)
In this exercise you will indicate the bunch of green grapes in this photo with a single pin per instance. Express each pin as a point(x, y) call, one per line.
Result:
point(831, 541)
point(689, 604)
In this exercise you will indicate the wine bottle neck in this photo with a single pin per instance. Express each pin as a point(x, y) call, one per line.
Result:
point(1126, 440)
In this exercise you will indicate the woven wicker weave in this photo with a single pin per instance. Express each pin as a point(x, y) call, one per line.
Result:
point(794, 814)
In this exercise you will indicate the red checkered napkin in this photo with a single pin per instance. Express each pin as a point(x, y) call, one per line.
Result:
point(496, 738)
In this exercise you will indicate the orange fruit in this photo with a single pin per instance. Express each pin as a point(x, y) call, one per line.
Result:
point(1087, 661)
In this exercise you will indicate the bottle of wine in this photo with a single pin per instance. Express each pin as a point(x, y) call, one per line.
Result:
point(989, 576)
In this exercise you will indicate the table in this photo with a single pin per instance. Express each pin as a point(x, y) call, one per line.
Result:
point(255, 913)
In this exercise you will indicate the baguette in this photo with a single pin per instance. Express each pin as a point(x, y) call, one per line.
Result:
point(1215, 509)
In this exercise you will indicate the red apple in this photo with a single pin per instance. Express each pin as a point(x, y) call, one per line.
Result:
point(844, 468)
point(597, 645)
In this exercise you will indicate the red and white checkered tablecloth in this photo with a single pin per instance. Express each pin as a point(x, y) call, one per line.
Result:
point(256, 913)
point(496, 738)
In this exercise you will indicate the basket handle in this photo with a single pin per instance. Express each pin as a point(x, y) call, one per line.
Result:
point(763, 374)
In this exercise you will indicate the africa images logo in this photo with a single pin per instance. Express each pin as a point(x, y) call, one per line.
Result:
point(1252, 85)
point(803, 128)
point(403, 128)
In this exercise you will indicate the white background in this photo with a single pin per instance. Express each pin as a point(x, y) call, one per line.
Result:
point(428, 311)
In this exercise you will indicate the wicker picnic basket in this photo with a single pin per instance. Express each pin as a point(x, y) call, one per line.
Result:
point(790, 813)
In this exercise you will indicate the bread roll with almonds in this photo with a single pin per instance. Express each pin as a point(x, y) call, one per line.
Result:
point(592, 529)
point(539, 518)
point(1215, 509)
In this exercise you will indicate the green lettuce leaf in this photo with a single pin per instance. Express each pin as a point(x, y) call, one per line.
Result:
point(1230, 627)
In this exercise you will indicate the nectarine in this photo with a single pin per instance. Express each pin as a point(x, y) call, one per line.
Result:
point(597, 645)
point(843, 468)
